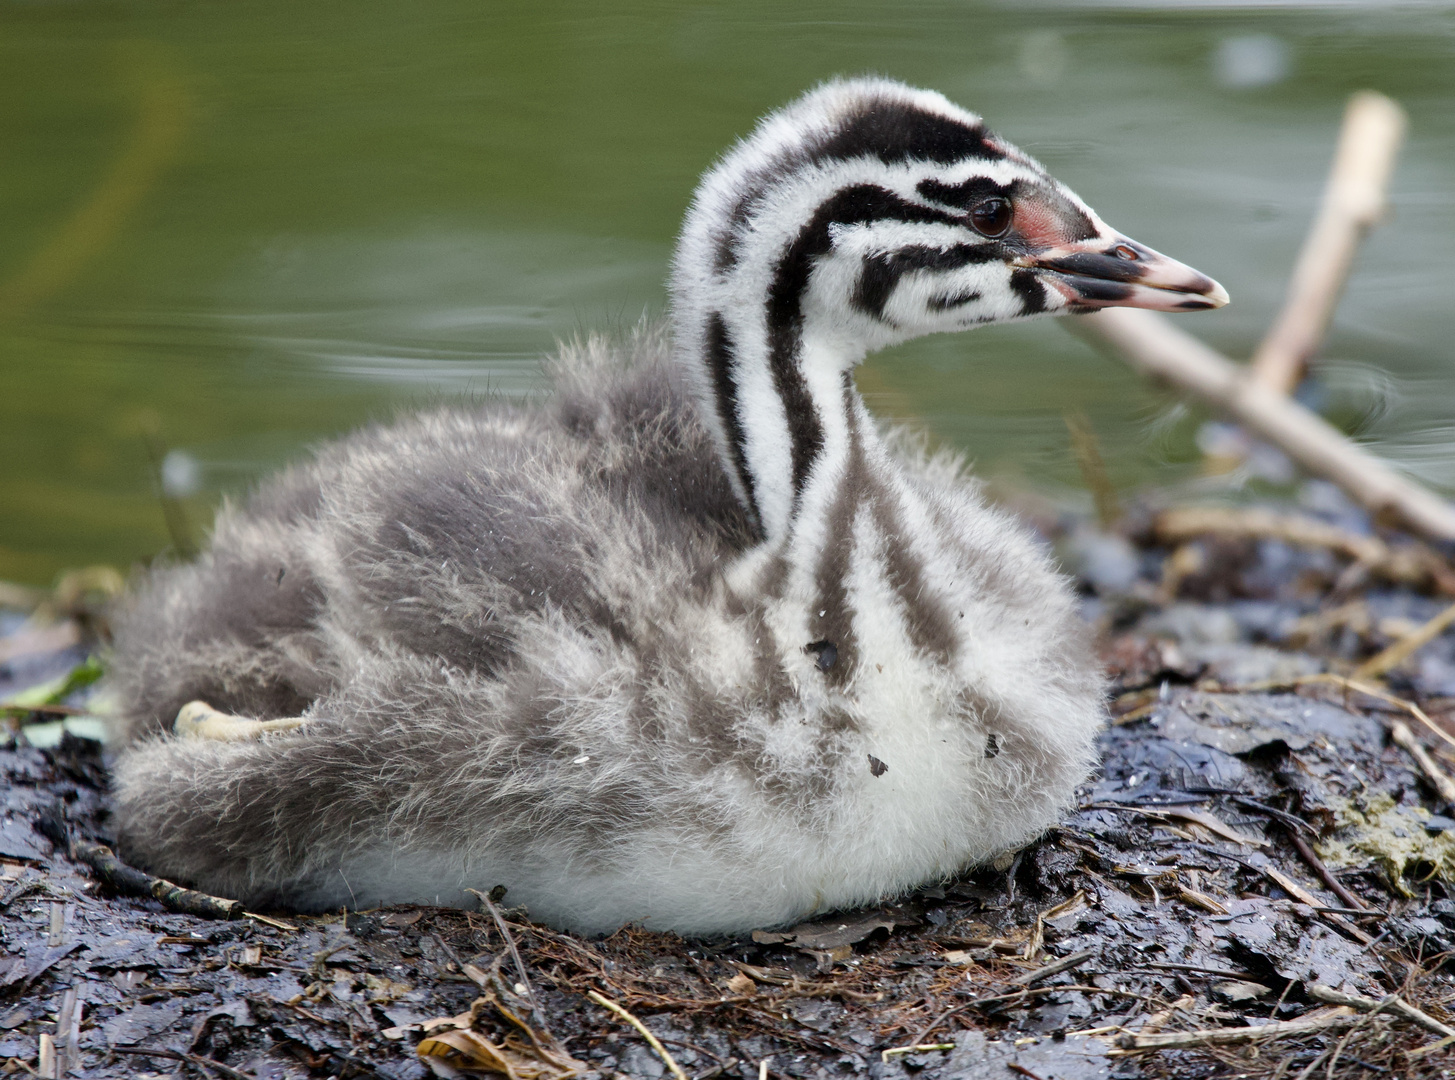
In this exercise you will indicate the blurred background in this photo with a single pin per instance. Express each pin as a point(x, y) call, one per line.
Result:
point(228, 231)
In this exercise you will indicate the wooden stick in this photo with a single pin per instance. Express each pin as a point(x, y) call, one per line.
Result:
point(1316, 864)
point(1277, 1029)
point(1410, 564)
point(898, 1051)
point(1353, 203)
point(1398, 730)
point(1159, 350)
point(1394, 1003)
point(1375, 692)
point(1439, 1044)
point(128, 879)
point(178, 1055)
point(1439, 779)
point(1309, 900)
point(652, 1040)
point(1066, 963)
point(538, 1016)
point(1388, 659)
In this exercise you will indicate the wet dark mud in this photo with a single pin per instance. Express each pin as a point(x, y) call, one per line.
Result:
point(1256, 848)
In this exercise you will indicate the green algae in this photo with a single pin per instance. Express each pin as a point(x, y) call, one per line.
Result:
point(1372, 828)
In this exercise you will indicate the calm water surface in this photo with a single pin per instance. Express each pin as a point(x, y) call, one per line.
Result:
point(228, 231)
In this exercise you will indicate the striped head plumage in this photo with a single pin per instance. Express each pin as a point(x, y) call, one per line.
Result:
point(865, 214)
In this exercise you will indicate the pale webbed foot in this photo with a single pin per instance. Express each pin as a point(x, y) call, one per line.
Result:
point(199, 720)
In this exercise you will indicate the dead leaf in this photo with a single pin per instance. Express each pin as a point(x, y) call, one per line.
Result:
point(741, 984)
point(469, 1050)
point(466, 1049)
point(830, 935)
point(1214, 825)
point(1196, 817)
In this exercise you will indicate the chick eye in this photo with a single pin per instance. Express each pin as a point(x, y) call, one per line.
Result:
point(991, 217)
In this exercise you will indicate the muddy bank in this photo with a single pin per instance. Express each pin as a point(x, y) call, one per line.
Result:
point(1261, 859)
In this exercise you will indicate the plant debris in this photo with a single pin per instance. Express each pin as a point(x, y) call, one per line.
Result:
point(1257, 882)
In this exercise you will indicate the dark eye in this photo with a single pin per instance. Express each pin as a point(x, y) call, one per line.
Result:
point(991, 217)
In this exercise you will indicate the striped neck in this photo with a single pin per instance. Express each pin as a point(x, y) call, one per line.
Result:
point(781, 391)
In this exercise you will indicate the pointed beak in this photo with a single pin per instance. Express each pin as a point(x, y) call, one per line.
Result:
point(1100, 273)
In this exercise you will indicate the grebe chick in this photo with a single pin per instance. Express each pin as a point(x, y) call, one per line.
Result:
point(694, 644)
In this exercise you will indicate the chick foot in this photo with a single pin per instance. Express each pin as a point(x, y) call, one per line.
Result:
point(199, 720)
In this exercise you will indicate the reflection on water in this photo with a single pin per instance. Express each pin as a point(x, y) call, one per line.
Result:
point(231, 231)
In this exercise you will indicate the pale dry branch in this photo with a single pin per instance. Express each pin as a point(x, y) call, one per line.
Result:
point(1413, 564)
point(1159, 350)
point(1277, 1029)
point(918, 1048)
point(1309, 900)
point(1354, 202)
point(1066, 963)
point(1434, 1047)
point(1394, 1003)
point(509, 939)
point(1439, 779)
point(652, 1040)
point(1388, 659)
point(1257, 398)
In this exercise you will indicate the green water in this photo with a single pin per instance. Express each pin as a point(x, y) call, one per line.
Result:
point(229, 230)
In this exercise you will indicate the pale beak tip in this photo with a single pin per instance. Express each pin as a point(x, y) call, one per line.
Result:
point(1207, 296)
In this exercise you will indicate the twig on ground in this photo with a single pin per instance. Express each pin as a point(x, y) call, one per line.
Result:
point(1024, 992)
point(717, 1070)
point(1438, 1044)
point(1275, 1029)
point(1155, 347)
point(1158, 1020)
point(1394, 1003)
point(1316, 864)
point(796, 987)
point(509, 938)
point(191, 1059)
point(1308, 899)
point(1388, 659)
point(1195, 817)
point(266, 921)
point(1066, 963)
point(1353, 203)
point(1412, 565)
point(900, 1051)
point(1199, 899)
point(1218, 973)
point(1439, 779)
point(652, 1040)
point(128, 879)
point(19, 889)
